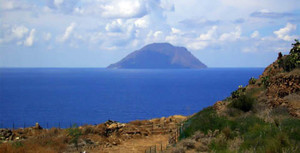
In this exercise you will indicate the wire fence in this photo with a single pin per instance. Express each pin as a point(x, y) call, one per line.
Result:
point(178, 134)
point(160, 148)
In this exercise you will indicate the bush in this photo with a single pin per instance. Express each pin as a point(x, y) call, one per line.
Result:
point(74, 133)
point(265, 138)
point(203, 121)
point(227, 133)
point(292, 60)
point(291, 127)
point(244, 103)
point(243, 124)
point(252, 80)
point(236, 94)
point(218, 145)
point(265, 81)
point(17, 144)
point(178, 150)
point(188, 143)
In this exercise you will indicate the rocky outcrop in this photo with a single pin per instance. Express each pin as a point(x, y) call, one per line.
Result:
point(6, 135)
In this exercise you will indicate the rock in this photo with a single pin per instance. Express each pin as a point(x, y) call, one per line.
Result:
point(5, 134)
point(113, 126)
point(37, 126)
point(218, 105)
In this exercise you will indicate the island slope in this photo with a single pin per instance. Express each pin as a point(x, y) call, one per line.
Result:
point(159, 56)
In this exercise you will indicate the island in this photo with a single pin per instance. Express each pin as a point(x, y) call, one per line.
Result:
point(159, 56)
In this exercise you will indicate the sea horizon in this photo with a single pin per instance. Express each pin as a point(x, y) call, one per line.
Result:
point(92, 95)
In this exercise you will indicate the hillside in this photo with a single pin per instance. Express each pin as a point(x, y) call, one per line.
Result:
point(159, 56)
point(262, 117)
point(111, 136)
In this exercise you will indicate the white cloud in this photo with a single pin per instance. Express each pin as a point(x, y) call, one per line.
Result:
point(7, 5)
point(255, 34)
point(167, 5)
point(30, 39)
point(57, 3)
point(231, 36)
point(142, 22)
point(13, 4)
point(209, 35)
point(68, 32)
point(178, 37)
point(19, 31)
point(197, 45)
point(124, 9)
point(283, 33)
point(114, 26)
point(156, 36)
point(176, 31)
point(47, 36)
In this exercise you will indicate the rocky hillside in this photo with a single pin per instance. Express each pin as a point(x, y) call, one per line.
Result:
point(159, 56)
point(262, 117)
point(110, 136)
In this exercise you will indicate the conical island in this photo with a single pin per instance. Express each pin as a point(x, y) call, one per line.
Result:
point(159, 56)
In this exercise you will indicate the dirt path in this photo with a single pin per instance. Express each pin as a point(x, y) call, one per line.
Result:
point(136, 145)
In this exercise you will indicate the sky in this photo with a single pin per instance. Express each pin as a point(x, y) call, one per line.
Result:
point(96, 33)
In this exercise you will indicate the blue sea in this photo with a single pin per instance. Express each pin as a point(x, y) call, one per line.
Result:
point(63, 96)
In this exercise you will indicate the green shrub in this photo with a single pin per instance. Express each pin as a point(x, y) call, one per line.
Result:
point(252, 80)
point(265, 81)
point(227, 133)
point(296, 47)
point(205, 120)
point(74, 133)
point(240, 91)
point(291, 61)
point(218, 145)
point(265, 138)
point(243, 124)
point(292, 127)
point(243, 102)
point(17, 144)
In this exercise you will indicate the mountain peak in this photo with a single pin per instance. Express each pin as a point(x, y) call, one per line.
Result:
point(159, 56)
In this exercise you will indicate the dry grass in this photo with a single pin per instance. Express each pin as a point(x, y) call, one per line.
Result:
point(43, 141)
point(294, 100)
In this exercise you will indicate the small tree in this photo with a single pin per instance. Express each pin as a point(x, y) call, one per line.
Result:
point(252, 80)
point(74, 133)
point(296, 47)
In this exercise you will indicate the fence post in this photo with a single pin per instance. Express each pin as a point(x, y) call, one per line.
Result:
point(161, 147)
